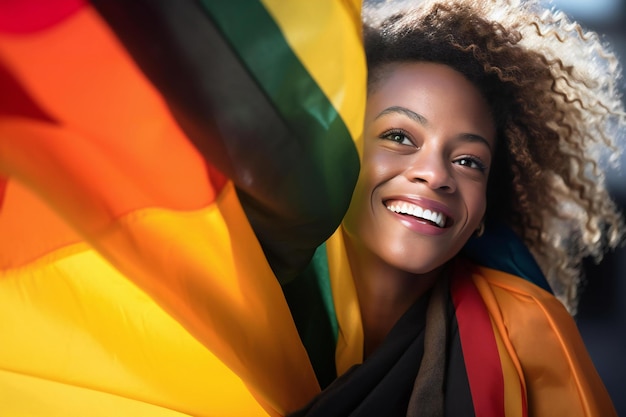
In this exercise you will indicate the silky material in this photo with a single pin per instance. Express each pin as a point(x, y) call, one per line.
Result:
point(521, 349)
point(131, 281)
point(386, 382)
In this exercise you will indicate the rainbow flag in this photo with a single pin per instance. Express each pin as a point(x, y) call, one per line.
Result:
point(131, 280)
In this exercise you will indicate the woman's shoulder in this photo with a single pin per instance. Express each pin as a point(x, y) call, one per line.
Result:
point(520, 303)
point(520, 289)
point(542, 339)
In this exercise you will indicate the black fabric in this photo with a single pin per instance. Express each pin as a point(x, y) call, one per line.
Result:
point(294, 201)
point(383, 384)
point(458, 397)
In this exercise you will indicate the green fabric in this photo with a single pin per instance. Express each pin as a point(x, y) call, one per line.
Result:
point(256, 38)
point(310, 300)
point(319, 128)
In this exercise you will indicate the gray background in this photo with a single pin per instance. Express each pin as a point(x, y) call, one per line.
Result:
point(602, 313)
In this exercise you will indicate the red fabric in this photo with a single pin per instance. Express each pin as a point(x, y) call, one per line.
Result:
point(480, 351)
point(3, 187)
point(85, 138)
point(15, 100)
point(24, 16)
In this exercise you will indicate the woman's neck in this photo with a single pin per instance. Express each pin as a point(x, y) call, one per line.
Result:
point(385, 293)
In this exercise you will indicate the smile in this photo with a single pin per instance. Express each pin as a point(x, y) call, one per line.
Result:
point(435, 217)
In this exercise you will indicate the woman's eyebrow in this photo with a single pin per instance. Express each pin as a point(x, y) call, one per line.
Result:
point(471, 137)
point(403, 110)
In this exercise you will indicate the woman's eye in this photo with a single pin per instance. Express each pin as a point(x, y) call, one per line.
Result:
point(473, 163)
point(398, 137)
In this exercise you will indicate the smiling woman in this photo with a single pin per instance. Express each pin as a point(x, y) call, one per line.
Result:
point(421, 190)
point(478, 120)
point(413, 154)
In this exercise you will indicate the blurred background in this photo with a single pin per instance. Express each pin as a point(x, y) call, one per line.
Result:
point(602, 311)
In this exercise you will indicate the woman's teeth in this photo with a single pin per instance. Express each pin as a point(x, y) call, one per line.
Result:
point(416, 211)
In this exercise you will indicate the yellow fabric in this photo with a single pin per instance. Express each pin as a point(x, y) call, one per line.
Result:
point(71, 318)
point(78, 344)
point(206, 269)
point(54, 399)
point(541, 337)
point(221, 289)
point(349, 349)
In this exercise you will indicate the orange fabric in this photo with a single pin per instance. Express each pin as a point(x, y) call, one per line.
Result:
point(104, 195)
point(23, 214)
point(91, 86)
point(106, 112)
point(542, 340)
point(514, 394)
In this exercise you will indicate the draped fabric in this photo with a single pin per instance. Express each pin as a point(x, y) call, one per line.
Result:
point(514, 351)
point(543, 358)
point(131, 281)
point(417, 371)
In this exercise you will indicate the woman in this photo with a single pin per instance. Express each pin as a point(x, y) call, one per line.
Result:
point(476, 114)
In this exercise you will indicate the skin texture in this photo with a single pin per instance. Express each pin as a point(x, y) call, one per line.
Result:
point(428, 140)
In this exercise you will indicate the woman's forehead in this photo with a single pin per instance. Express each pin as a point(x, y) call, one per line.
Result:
point(432, 91)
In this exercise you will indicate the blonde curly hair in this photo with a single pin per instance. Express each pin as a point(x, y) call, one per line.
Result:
point(553, 90)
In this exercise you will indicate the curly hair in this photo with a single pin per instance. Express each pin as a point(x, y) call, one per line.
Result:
point(552, 90)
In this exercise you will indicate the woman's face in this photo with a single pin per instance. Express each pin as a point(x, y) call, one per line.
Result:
point(429, 140)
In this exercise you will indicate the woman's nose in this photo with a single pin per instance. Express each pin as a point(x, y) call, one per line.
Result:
point(432, 168)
